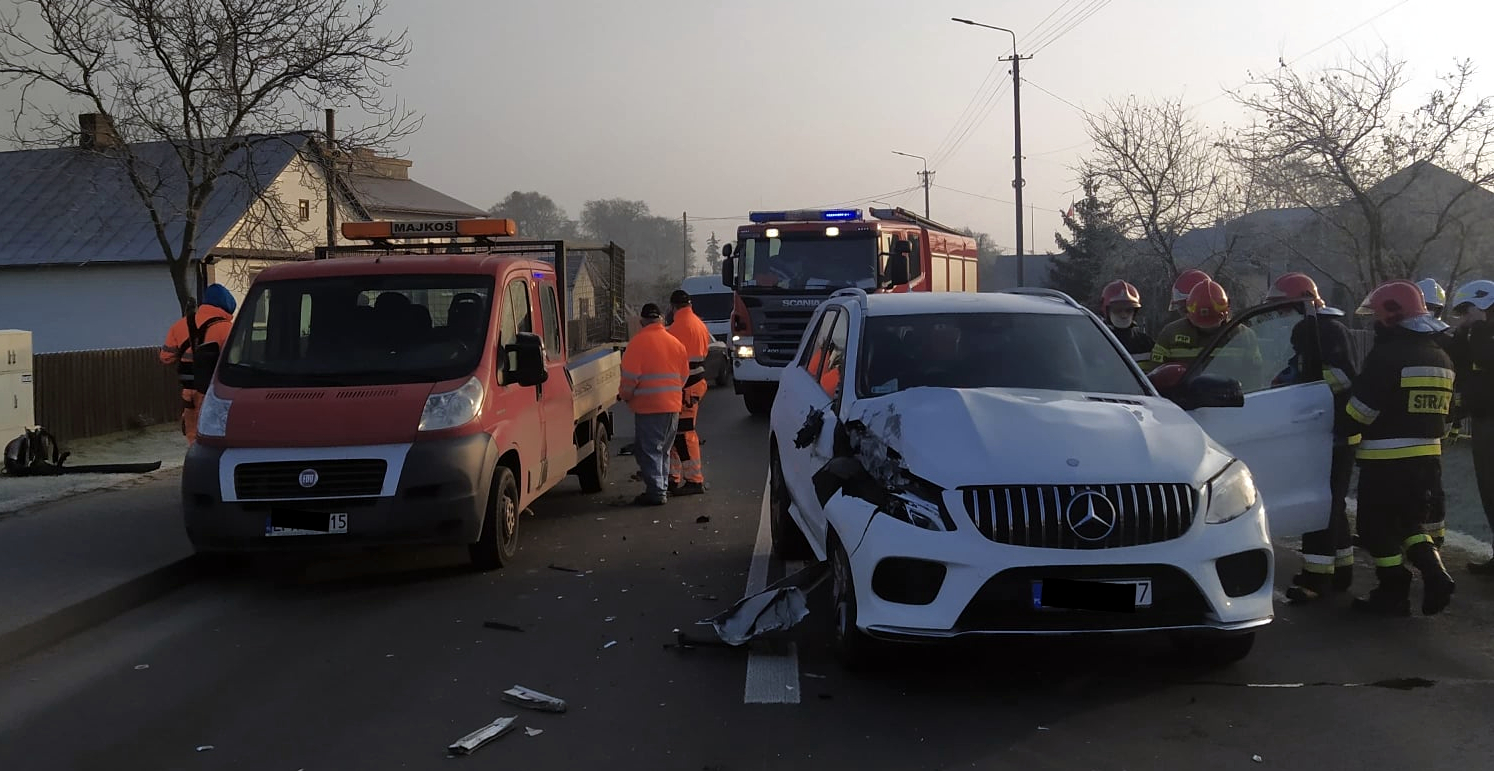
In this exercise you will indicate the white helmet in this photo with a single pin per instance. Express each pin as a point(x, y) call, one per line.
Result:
point(1479, 293)
point(1434, 293)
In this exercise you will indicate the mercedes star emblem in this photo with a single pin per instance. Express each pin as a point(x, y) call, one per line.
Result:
point(1091, 516)
point(309, 478)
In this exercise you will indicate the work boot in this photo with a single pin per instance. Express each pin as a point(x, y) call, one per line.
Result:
point(674, 487)
point(647, 499)
point(689, 488)
point(1307, 587)
point(1482, 568)
point(1392, 597)
point(1437, 584)
point(1343, 578)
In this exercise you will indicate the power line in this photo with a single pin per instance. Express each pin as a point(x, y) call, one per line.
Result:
point(986, 109)
point(974, 195)
point(1084, 15)
point(1029, 82)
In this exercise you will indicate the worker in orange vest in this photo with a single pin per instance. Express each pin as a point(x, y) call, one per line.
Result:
point(654, 370)
point(686, 473)
point(209, 325)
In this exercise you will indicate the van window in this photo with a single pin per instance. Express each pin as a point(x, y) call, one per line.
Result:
point(715, 306)
point(550, 320)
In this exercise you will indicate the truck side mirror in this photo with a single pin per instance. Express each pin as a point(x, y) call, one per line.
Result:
point(728, 268)
point(528, 358)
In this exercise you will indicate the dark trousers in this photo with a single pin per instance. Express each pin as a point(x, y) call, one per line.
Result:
point(1396, 498)
point(1323, 551)
point(1483, 463)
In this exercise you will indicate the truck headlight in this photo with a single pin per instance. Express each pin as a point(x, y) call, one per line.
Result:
point(212, 419)
point(450, 409)
point(742, 347)
point(1231, 494)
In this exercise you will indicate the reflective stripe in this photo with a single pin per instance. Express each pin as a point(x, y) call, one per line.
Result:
point(1344, 558)
point(1427, 377)
point(660, 376)
point(1389, 562)
point(1337, 380)
point(630, 374)
point(1317, 559)
point(1141, 356)
point(1322, 570)
point(655, 390)
point(1362, 412)
point(1441, 372)
point(1416, 539)
point(1395, 449)
point(1355, 440)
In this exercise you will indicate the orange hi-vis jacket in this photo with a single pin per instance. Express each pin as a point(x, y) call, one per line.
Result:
point(178, 349)
point(654, 370)
point(692, 333)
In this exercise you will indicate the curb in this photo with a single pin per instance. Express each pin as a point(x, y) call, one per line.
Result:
point(85, 614)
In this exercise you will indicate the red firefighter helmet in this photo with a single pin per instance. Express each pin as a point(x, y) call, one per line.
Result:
point(1121, 294)
point(1296, 285)
point(1394, 302)
point(1184, 284)
point(1208, 305)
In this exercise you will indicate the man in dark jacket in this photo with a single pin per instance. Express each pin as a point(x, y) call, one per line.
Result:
point(1473, 358)
point(1119, 304)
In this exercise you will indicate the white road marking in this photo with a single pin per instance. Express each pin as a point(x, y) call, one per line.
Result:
point(772, 678)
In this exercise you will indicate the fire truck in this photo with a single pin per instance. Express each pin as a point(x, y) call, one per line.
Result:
point(786, 263)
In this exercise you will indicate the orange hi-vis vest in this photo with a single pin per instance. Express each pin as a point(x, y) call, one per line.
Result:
point(655, 367)
point(692, 333)
point(213, 323)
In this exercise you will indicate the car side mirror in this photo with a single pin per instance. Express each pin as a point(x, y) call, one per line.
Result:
point(528, 358)
point(728, 267)
point(1210, 391)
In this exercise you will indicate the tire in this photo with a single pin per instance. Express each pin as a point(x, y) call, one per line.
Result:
point(1215, 651)
point(593, 470)
point(723, 378)
point(759, 399)
point(852, 647)
point(499, 541)
point(789, 542)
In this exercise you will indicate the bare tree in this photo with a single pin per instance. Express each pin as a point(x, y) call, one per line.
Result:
point(216, 80)
point(1375, 178)
point(1159, 169)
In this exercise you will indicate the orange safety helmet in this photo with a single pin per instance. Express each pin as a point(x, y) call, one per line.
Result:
point(1296, 285)
point(1394, 302)
point(1208, 305)
point(1184, 284)
point(1119, 293)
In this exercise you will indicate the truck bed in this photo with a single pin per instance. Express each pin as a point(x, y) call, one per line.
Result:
point(595, 377)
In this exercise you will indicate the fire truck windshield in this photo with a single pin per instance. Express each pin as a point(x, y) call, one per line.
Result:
point(809, 263)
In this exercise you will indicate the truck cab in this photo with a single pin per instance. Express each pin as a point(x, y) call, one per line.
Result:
point(400, 394)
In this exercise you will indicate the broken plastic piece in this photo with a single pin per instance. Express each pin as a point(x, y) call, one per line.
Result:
point(206, 748)
point(469, 743)
point(780, 606)
point(563, 569)
point(532, 699)
point(533, 731)
point(1257, 758)
point(502, 626)
point(610, 644)
point(702, 519)
point(139, 667)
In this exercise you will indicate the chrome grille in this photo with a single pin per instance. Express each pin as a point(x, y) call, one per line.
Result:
point(1038, 515)
point(776, 334)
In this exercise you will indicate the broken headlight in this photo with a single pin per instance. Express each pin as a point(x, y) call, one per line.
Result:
point(920, 504)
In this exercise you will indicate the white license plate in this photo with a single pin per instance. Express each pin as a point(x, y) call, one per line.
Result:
point(1142, 587)
point(336, 523)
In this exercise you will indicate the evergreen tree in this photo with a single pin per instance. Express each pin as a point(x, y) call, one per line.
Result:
point(1088, 249)
point(713, 253)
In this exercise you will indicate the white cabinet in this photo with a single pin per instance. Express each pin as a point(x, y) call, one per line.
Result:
point(17, 389)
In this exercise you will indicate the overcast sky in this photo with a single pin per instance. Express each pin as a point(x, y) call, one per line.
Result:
point(719, 108)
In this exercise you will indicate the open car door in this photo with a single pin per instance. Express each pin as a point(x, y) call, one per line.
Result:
point(1284, 431)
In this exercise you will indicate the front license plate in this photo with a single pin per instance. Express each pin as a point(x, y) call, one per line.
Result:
point(1114, 596)
point(306, 523)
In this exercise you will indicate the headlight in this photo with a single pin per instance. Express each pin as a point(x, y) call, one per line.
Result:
point(743, 347)
point(920, 505)
point(1231, 494)
point(212, 419)
point(450, 409)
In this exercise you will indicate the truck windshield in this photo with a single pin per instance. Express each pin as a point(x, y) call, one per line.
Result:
point(991, 350)
point(812, 262)
point(712, 307)
point(355, 330)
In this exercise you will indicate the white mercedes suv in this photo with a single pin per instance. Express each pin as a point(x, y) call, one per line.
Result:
point(988, 464)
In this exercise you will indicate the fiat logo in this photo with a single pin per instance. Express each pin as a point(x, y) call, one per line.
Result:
point(309, 478)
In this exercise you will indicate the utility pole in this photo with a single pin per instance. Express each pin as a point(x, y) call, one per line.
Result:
point(927, 176)
point(331, 183)
point(685, 243)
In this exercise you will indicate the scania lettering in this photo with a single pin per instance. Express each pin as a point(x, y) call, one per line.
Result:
point(786, 263)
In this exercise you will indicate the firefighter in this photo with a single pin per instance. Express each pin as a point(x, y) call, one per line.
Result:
point(1433, 295)
point(1473, 359)
point(1327, 555)
point(1119, 304)
point(1181, 341)
point(209, 324)
point(1182, 286)
point(686, 472)
point(1401, 398)
point(654, 370)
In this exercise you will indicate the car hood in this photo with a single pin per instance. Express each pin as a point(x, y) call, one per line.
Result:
point(994, 436)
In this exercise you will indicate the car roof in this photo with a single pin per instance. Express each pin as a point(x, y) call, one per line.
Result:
point(920, 303)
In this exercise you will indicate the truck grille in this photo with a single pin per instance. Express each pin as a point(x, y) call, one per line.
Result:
point(333, 479)
point(1039, 515)
point(776, 334)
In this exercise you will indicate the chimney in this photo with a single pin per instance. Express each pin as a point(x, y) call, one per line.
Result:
point(97, 132)
point(364, 163)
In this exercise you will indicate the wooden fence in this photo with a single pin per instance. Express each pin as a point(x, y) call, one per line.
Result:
point(90, 393)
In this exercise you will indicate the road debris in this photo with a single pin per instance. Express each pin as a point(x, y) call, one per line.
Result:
point(683, 641)
point(609, 645)
point(533, 731)
point(778, 607)
point(468, 744)
point(502, 626)
point(702, 519)
point(139, 667)
point(206, 748)
point(527, 697)
point(609, 619)
point(1257, 758)
point(563, 568)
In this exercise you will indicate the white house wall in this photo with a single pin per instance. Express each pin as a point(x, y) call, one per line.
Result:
point(99, 306)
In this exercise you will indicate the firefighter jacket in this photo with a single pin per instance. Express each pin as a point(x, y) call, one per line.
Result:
point(213, 325)
point(692, 333)
point(1136, 342)
point(1402, 397)
point(1335, 364)
point(1472, 353)
point(654, 370)
point(1180, 343)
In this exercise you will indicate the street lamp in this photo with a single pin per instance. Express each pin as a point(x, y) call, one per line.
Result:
point(1017, 181)
point(926, 174)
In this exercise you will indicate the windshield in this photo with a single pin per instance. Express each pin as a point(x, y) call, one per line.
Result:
point(991, 350)
point(712, 307)
point(359, 330)
point(812, 261)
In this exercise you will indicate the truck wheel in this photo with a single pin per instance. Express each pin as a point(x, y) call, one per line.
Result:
point(789, 542)
point(852, 647)
point(759, 399)
point(723, 378)
point(593, 471)
point(499, 541)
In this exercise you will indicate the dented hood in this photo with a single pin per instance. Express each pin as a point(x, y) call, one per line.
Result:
point(993, 436)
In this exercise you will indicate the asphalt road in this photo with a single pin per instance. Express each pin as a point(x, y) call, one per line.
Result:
point(381, 661)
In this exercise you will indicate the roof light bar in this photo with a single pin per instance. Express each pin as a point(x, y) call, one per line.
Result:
point(383, 229)
point(805, 215)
